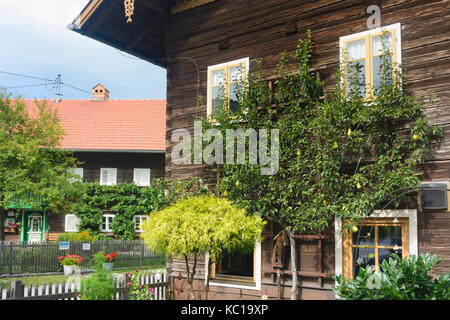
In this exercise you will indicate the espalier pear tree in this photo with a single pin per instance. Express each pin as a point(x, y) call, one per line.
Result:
point(340, 155)
point(196, 226)
point(31, 165)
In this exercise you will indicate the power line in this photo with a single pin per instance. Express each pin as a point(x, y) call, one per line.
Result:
point(26, 86)
point(58, 83)
point(24, 76)
point(68, 85)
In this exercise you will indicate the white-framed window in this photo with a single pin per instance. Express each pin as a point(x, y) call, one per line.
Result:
point(71, 223)
point(225, 81)
point(141, 177)
point(390, 230)
point(79, 172)
point(363, 54)
point(9, 222)
point(138, 221)
point(106, 223)
point(108, 176)
point(239, 282)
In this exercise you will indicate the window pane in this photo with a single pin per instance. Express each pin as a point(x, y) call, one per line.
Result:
point(218, 77)
point(141, 177)
point(366, 236)
point(377, 44)
point(236, 73)
point(217, 98)
point(356, 49)
point(236, 264)
point(378, 72)
point(390, 236)
point(356, 77)
point(235, 90)
point(35, 225)
point(384, 254)
point(363, 257)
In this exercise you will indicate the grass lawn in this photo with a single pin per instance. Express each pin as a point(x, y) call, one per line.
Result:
point(27, 280)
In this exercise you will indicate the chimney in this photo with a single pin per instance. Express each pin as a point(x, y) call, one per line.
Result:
point(100, 93)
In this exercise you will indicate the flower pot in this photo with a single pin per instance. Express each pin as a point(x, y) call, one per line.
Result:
point(71, 270)
point(108, 266)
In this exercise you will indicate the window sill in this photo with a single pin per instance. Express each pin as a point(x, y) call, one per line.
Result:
point(234, 281)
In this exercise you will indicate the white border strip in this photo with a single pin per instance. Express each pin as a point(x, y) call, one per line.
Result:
point(247, 67)
point(411, 214)
point(257, 274)
point(398, 33)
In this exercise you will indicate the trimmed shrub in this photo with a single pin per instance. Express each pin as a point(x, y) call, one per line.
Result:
point(407, 279)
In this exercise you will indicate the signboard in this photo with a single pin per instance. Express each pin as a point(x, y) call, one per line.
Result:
point(86, 246)
point(64, 245)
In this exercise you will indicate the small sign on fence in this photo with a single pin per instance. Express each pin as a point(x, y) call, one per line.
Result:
point(64, 245)
point(86, 246)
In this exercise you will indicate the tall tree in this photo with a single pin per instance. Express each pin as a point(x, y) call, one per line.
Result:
point(31, 165)
point(339, 156)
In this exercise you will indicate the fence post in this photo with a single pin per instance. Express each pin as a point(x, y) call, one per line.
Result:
point(142, 254)
point(127, 292)
point(17, 289)
point(10, 258)
point(170, 290)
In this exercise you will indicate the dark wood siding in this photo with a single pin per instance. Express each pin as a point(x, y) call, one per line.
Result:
point(124, 162)
point(257, 29)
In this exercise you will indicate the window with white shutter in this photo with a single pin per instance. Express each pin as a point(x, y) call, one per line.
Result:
point(141, 177)
point(71, 223)
point(138, 222)
point(78, 172)
point(106, 223)
point(108, 176)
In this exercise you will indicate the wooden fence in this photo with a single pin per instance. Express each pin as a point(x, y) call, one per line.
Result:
point(69, 290)
point(23, 257)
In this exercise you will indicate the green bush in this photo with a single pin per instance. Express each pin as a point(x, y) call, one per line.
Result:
point(100, 285)
point(126, 200)
point(407, 279)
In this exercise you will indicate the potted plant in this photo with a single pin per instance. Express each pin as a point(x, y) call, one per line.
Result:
point(16, 227)
point(108, 260)
point(71, 263)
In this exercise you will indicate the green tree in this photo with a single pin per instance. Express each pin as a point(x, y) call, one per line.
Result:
point(340, 155)
point(31, 165)
point(202, 225)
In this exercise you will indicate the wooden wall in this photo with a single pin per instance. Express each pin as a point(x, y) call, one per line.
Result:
point(124, 162)
point(257, 29)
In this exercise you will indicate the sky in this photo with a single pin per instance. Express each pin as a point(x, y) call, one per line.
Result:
point(35, 41)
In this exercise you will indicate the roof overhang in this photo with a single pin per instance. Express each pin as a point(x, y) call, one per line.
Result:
point(144, 37)
point(115, 150)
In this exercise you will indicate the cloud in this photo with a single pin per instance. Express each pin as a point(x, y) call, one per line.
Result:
point(36, 41)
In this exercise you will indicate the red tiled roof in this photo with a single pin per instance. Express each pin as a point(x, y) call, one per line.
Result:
point(112, 124)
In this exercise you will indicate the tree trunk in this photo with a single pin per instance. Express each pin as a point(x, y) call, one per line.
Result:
point(2, 224)
point(294, 290)
point(190, 276)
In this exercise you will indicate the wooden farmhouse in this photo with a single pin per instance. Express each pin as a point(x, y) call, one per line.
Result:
point(115, 140)
point(195, 40)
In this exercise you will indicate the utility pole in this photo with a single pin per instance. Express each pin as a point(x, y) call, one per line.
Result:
point(58, 88)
